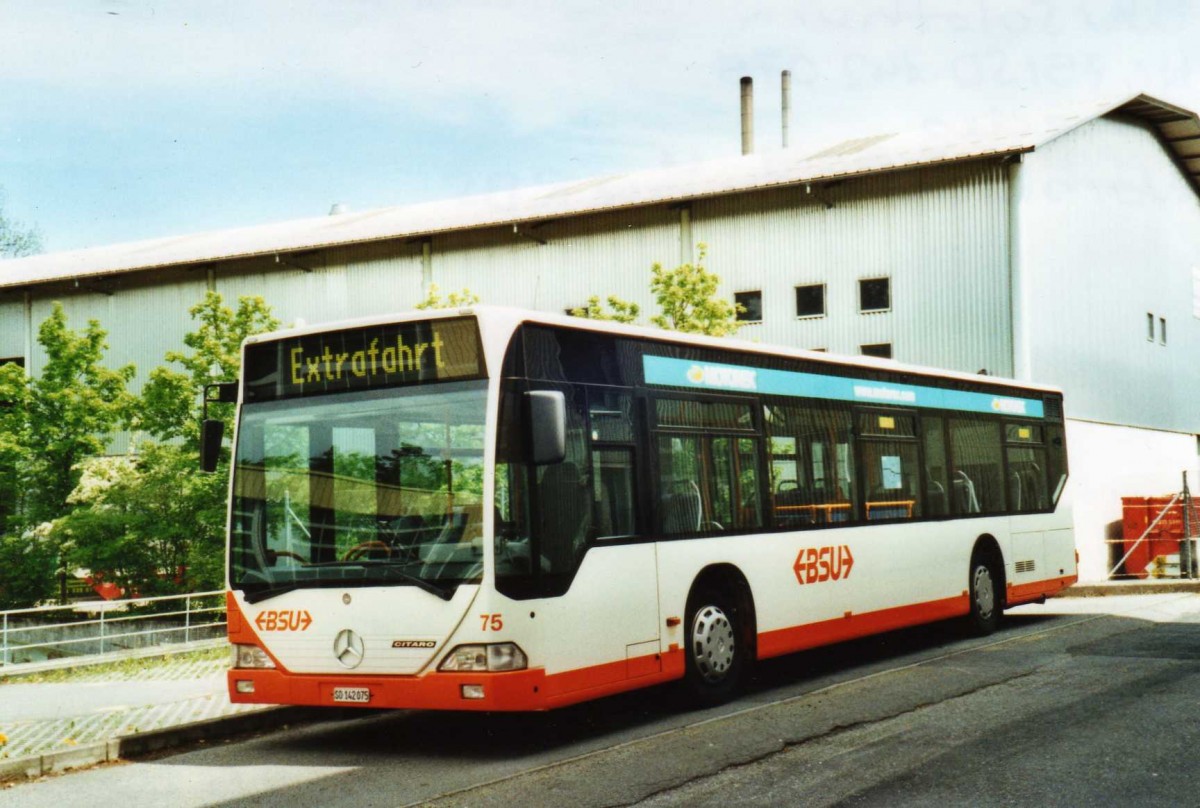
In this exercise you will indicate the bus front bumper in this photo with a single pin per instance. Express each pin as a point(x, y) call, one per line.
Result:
point(516, 690)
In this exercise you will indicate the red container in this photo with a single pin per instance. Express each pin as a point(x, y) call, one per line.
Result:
point(1138, 513)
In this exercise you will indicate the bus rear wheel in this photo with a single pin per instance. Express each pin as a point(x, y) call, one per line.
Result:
point(715, 651)
point(985, 593)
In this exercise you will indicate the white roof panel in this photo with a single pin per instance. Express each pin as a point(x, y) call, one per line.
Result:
point(863, 155)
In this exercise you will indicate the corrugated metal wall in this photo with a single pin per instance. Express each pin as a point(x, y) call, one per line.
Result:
point(606, 254)
point(330, 285)
point(12, 327)
point(1110, 232)
point(143, 322)
point(939, 234)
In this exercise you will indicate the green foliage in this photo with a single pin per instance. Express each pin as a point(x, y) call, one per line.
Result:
point(687, 300)
point(150, 522)
point(171, 398)
point(48, 425)
point(434, 300)
point(16, 240)
point(29, 560)
point(621, 311)
point(687, 297)
point(67, 414)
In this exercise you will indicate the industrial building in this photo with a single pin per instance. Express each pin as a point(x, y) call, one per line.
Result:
point(1063, 250)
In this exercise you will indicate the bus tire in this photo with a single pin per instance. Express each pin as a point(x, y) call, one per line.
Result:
point(716, 651)
point(985, 588)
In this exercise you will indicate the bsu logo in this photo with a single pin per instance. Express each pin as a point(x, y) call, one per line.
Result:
point(816, 564)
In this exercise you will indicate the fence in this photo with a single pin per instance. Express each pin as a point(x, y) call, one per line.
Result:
point(108, 627)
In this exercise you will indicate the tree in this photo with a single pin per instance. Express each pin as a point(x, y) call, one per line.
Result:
point(171, 509)
point(171, 398)
point(66, 414)
point(687, 300)
point(687, 297)
point(621, 311)
point(48, 425)
point(434, 300)
point(16, 240)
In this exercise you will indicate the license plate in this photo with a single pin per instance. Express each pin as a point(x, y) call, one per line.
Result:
point(353, 695)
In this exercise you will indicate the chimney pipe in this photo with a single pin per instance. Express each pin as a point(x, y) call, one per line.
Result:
point(747, 115)
point(785, 82)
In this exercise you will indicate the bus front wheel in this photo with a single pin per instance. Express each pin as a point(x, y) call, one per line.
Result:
point(715, 650)
point(985, 593)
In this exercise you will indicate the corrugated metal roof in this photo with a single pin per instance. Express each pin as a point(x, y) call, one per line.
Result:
point(1180, 128)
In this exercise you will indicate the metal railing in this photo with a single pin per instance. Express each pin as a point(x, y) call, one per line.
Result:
point(107, 627)
point(1181, 529)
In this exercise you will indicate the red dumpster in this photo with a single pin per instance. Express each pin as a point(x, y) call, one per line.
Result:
point(1138, 513)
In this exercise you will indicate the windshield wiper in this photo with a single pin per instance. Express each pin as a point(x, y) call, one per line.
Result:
point(389, 574)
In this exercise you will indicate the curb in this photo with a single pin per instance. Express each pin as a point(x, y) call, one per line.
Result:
point(146, 743)
point(1107, 588)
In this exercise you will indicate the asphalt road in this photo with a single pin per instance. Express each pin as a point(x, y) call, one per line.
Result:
point(1081, 702)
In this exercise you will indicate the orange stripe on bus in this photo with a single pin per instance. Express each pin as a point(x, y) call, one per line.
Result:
point(1024, 593)
point(535, 690)
point(812, 635)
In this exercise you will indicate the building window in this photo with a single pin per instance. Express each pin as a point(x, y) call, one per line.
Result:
point(883, 350)
point(1162, 330)
point(19, 361)
point(749, 306)
point(874, 294)
point(810, 300)
point(819, 350)
point(1149, 327)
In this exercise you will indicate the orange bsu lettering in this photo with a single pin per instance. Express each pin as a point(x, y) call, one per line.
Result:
point(283, 620)
point(817, 564)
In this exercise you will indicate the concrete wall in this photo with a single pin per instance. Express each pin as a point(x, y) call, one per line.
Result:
point(1109, 462)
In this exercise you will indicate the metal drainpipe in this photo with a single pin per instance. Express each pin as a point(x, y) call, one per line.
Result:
point(747, 115)
point(685, 234)
point(28, 333)
point(1018, 294)
point(426, 265)
point(785, 84)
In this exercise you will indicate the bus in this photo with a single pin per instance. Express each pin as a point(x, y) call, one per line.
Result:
point(494, 509)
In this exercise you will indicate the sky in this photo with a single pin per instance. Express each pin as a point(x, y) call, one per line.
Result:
point(123, 120)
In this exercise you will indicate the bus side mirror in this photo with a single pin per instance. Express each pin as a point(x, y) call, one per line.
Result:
point(211, 433)
point(547, 426)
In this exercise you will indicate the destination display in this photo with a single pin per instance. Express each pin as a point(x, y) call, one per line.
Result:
point(663, 370)
point(364, 358)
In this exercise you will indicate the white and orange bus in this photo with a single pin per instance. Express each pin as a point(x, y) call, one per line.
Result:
point(492, 509)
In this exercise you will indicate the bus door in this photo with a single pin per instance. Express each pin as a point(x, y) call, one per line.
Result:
point(577, 524)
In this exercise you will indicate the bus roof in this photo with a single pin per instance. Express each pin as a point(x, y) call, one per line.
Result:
point(508, 318)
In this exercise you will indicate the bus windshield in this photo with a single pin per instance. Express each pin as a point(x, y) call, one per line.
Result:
point(375, 487)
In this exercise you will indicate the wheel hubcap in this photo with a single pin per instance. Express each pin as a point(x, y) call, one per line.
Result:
point(985, 593)
point(712, 643)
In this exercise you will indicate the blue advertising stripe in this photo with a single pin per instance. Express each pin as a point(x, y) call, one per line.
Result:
point(665, 371)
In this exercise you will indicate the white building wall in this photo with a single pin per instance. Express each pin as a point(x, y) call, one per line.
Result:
point(12, 327)
point(604, 254)
point(323, 286)
point(940, 235)
point(1109, 462)
point(1109, 230)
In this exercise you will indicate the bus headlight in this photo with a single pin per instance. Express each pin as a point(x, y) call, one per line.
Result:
point(502, 656)
point(250, 656)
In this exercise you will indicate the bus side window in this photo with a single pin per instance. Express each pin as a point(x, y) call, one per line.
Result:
point(817, 440)
point(614, 479)
point(888, 443)
point(978, 480)
point(937, 479)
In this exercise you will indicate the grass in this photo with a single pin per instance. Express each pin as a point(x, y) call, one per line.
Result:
point(121, 669)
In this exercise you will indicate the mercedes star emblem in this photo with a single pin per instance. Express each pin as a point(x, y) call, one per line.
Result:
point(348, 648)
